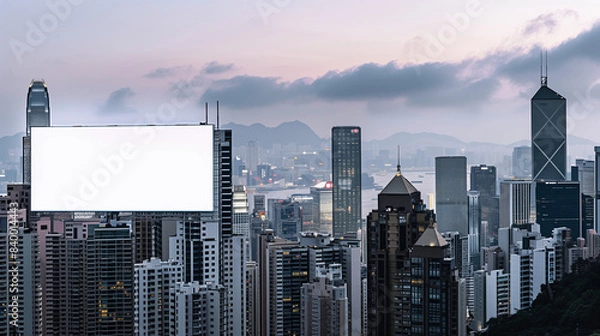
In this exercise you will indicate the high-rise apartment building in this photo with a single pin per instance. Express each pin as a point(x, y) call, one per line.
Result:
point(153, 279)
point(195, 309)
point(451, 193)
point(109, 281)
point(281, 259)
point(324, 304)
point(284, 266)
point(346, 175)
point(492, 296)
point(20, 293)
point(549, 134)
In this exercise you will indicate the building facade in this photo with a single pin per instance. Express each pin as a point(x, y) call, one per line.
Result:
point(451, 193)
point(346, 175)
point(549, 134)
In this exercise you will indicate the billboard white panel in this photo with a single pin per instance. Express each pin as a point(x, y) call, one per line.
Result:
point(122, 168)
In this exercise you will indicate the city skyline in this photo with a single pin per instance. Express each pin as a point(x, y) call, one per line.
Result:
point(266, 63)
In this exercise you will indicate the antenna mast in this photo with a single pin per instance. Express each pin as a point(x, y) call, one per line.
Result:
point(398, 166)
point(544, 76)
point(217, 114)
point(206, 113)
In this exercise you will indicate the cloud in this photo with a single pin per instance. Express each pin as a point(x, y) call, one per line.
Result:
point(547, 22)
point(215, 67)
point(117, 102)
point(168, 72)
point(462, 85)
point(429, 84)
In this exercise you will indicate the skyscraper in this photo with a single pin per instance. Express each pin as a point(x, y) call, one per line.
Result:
point(483, 179)
point(153, 279)
point(451, 193)
point(38, 105)
point(549, 134)
point(109, 279)
point(346, 171)
point(521, 162)
point(403, 246)
point(558, 204)
point(37, 114)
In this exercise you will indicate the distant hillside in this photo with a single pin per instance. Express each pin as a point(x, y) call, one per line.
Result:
point(572, 140)
point(416, 140)
point(10, 142)
point(569, 307)
point(478, 152)
point(288, 132)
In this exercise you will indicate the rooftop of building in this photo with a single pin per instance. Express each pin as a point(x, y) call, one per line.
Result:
point(399, 185)
point(545, 92)
point(431, 237)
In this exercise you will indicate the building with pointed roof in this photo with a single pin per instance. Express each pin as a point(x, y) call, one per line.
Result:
point(548, 134)
point(401, 235)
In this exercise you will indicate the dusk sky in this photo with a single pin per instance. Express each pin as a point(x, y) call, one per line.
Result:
point(464, 68)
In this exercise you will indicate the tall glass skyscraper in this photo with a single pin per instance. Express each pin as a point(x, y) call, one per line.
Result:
point(346, 171)
point(549, 134)
point(38, 105)
point(37, 114)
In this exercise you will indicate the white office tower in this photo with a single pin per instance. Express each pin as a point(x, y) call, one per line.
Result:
point(20, 294)
point(152, 281)
point(194, 309)
point(324, 303)
point(492, 296)
point(515, 202)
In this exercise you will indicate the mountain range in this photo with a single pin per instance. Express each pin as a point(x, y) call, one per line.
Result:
point(301, 134)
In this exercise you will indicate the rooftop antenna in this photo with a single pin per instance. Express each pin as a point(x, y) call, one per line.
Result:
point(399, 159)
point(544, 76)
point(206, 113)
point(217, 114)
point(546, 67)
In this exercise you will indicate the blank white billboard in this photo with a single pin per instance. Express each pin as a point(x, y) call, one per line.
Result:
point(122, 168)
